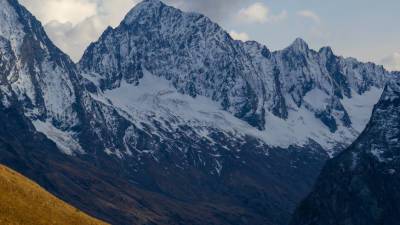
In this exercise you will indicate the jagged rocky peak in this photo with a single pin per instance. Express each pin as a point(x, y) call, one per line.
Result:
point(147, 9)
point(27, 36)
point(327, 50)
point(254, 48)
point(151, 10)
point(22, 29)
point(299, 45)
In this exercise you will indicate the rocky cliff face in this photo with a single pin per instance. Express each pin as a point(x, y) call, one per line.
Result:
point(42, 77)
point(169, 107)
point(361, 185)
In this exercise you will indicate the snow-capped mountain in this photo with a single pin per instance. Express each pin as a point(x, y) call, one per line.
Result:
point(291, 96)
point(168, 115)
point(361, 185)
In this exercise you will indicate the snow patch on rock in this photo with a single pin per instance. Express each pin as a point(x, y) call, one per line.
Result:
point(359, 107)
point(65, 140)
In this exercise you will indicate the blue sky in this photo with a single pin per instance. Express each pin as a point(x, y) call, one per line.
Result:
point(365, 29)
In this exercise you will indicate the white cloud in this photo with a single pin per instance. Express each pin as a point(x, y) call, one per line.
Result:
point(74, 39)
point(239, 35)
point(392, 62)
point(73, 11)
point(310, 15)
point(74, 24)
point(259, 13)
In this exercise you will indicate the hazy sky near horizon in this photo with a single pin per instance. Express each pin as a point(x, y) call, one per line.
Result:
point(364, 29)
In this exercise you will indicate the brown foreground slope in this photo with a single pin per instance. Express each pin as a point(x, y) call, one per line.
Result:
point(24, 202)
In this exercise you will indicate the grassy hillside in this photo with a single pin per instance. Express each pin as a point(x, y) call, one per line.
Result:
point(23, 202)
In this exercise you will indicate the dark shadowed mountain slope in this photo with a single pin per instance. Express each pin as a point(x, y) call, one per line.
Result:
point(361, 185)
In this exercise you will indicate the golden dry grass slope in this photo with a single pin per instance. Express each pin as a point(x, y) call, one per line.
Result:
point(23, 202)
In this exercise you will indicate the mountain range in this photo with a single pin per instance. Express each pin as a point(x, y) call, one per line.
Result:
point(168, 120)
